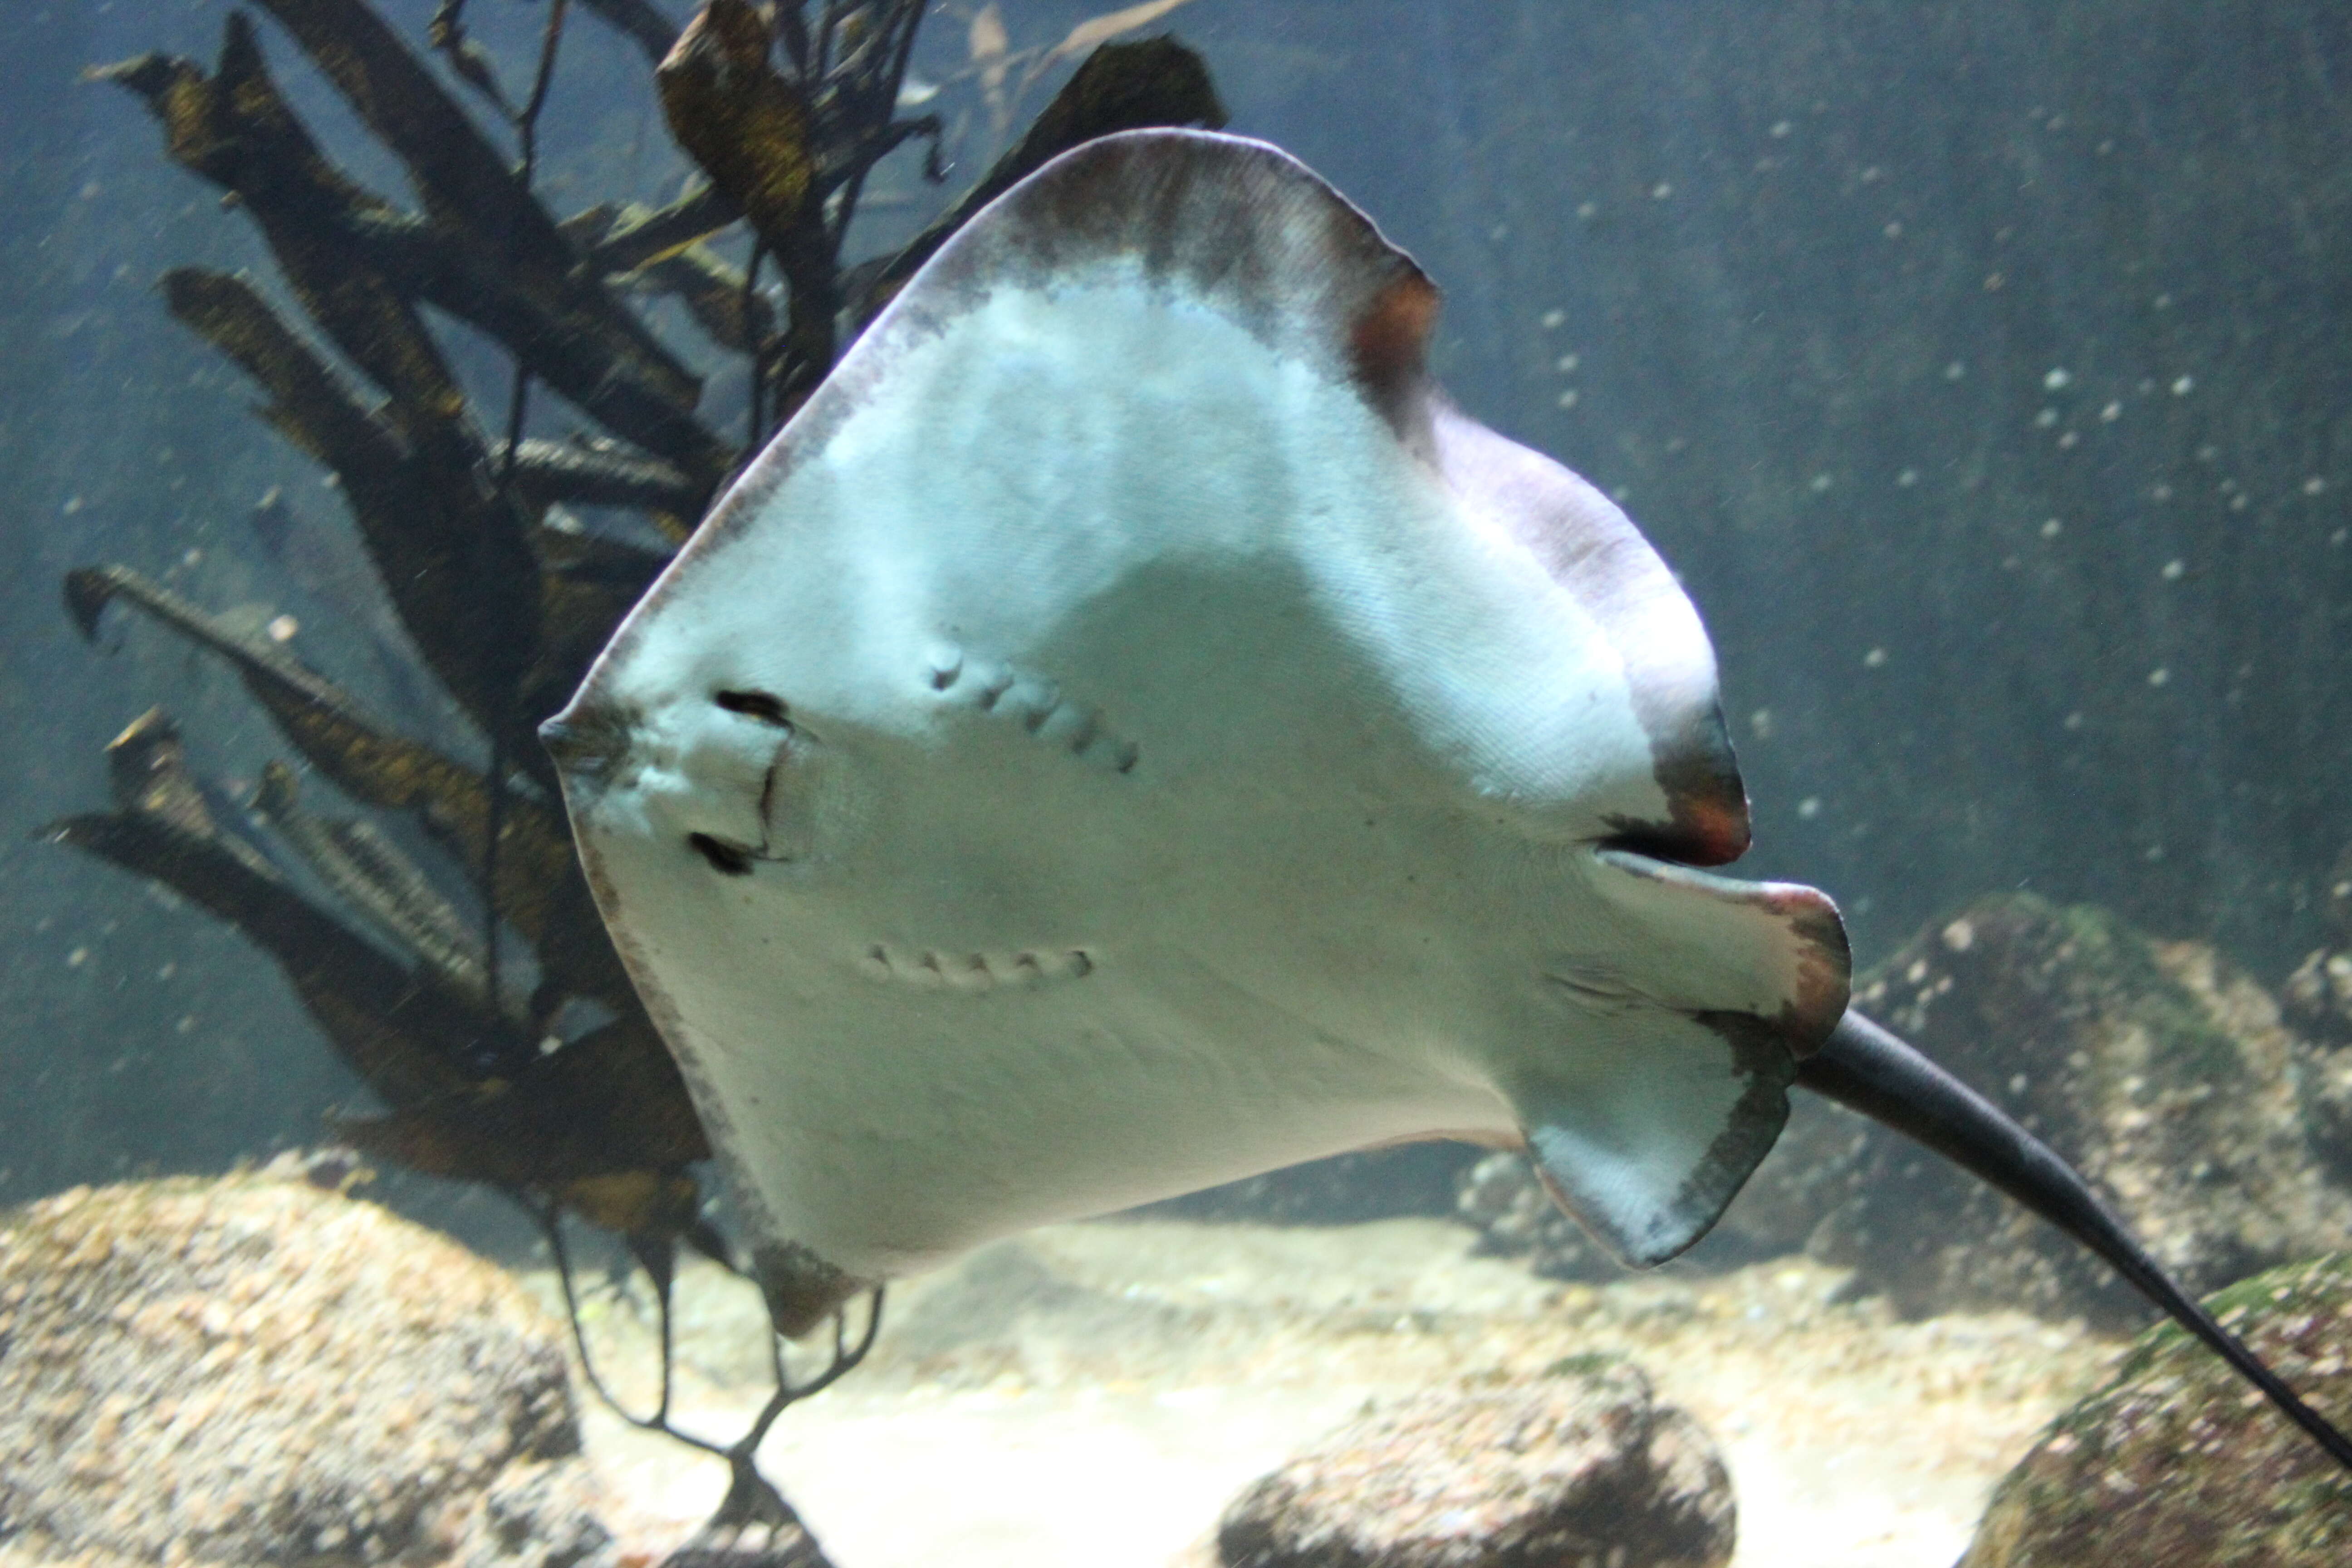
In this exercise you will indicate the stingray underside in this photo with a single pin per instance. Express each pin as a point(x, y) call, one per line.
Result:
point(1665, 1081)
point(1180, 358)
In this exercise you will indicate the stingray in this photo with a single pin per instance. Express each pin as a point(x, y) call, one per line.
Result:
point(1129, 731)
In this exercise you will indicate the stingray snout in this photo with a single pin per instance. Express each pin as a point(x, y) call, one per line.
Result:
point(726, 775)
point(587, 740)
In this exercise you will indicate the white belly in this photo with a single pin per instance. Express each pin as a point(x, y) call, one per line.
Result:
point(1126, 734)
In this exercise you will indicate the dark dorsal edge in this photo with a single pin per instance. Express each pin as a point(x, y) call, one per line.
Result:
point(1248, 230)
point(1867, 1068)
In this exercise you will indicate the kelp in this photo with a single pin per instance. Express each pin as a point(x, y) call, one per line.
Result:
point(408, 1035)
point(361, 757)
point(451, 551)
point(602, 1122)
point(377, 879)
point(1121, 87)
point(407, 948)
point(781, 145)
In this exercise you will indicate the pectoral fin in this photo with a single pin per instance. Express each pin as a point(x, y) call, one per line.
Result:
point(1647, 1159)
point(1684, 1036)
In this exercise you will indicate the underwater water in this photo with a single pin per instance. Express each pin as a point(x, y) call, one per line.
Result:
point(1975, 368)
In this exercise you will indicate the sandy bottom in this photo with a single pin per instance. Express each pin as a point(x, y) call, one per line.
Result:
point(1093, 1396)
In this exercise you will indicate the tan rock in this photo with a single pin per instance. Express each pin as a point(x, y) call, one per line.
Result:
point(255, 1369)
point(1583, 1469)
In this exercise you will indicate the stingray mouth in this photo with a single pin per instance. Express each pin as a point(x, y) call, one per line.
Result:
point(782, 826)
point(760, 737)
point(975, 973)
point(728, 776)
point(726, 859)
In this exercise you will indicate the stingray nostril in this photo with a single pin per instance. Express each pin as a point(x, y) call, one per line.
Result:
point(732, 860)
point(764, 706)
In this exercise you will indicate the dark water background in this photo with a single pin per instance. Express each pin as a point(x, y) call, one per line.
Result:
point(1855, 302)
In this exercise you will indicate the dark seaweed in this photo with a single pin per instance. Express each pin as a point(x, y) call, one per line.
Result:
point(456, 1018)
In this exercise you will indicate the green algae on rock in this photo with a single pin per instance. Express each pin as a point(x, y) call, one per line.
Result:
point(258, 1370)
point(2171, 1462)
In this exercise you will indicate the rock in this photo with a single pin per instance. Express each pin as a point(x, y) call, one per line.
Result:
point(1585, 1467)
point(258, 1370)
point(2318, 998)
point(2175, 1462)
point(2164, 1074)
point(1414, 1180)
point(2318, 1001)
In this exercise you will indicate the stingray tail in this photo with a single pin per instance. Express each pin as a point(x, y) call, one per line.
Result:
point(1869, 1069)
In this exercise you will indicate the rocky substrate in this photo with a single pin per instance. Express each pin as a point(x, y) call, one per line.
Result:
point(254, 1370)
point(1098, 1396)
